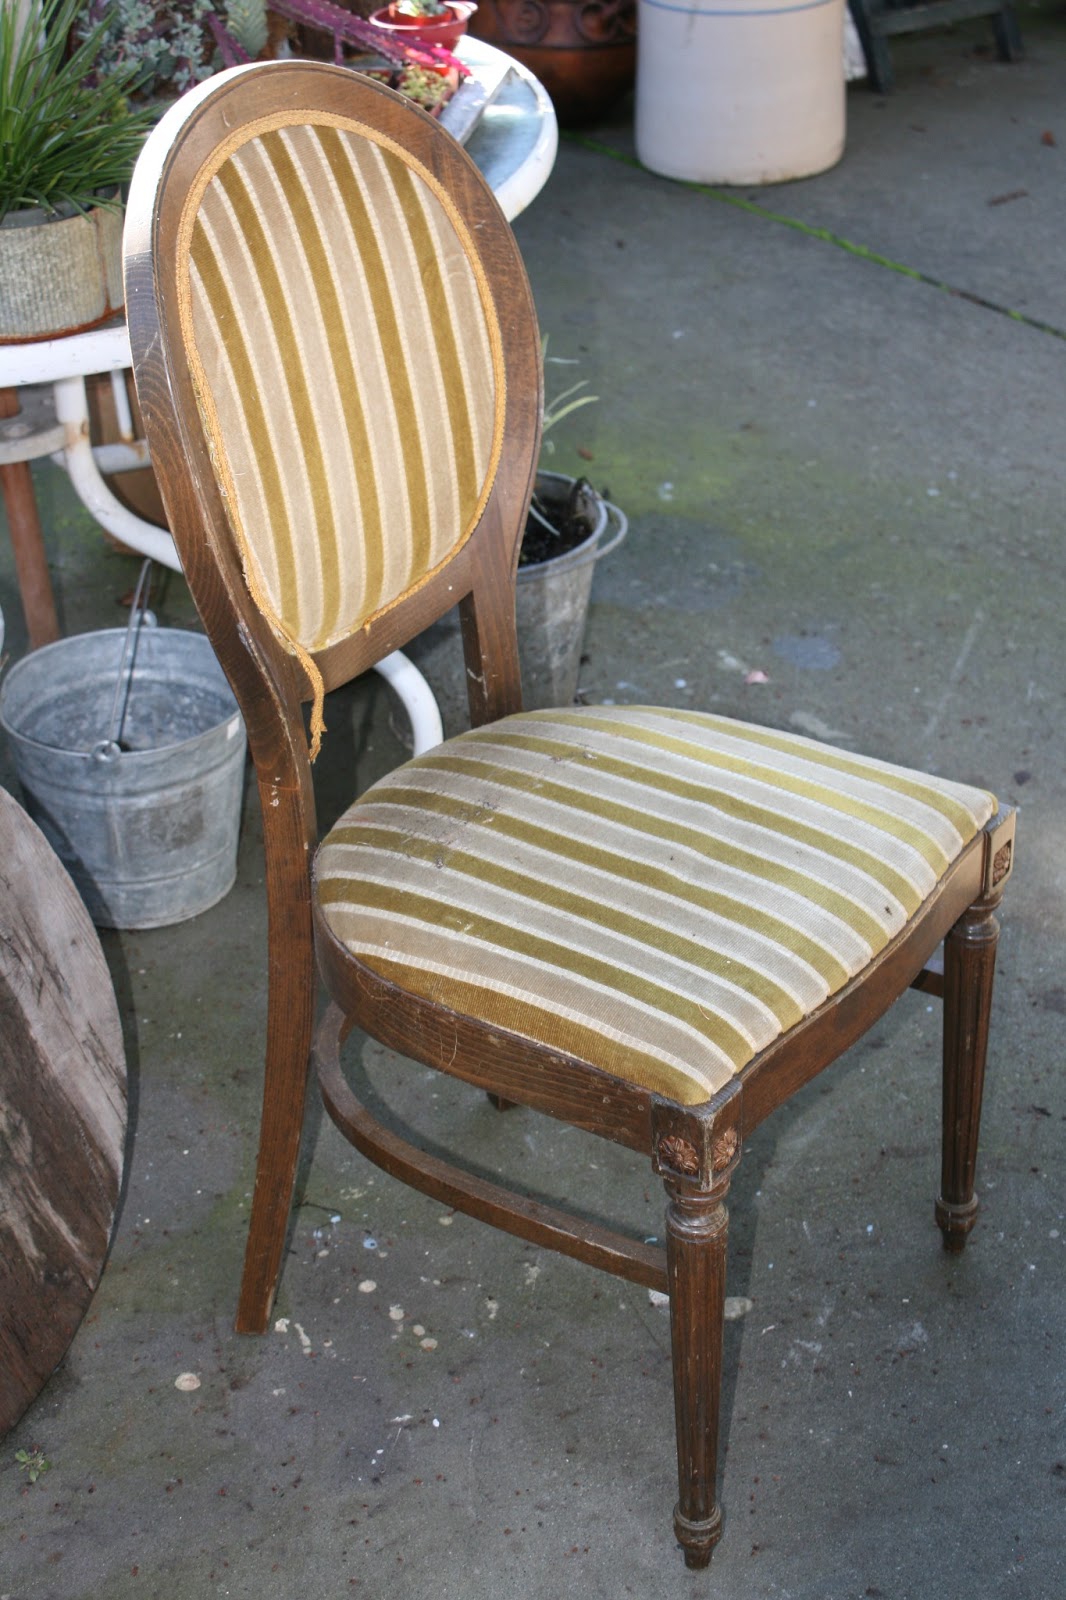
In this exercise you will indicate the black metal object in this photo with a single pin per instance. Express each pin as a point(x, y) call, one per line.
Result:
point(877, 20)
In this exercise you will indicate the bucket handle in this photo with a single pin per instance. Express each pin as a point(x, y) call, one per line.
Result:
point(621, 528)
point(107, 751)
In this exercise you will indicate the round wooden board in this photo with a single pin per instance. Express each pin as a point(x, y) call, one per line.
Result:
point(62, 1110)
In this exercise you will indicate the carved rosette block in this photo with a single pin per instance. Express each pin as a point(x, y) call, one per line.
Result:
point(1001, 862)
point(724, 1147)
point(679, 1155)
point(699, 1146)
point(1000, 858)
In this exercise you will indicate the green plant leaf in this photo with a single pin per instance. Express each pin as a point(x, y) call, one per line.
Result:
point(66, 131)
point(33, 1462)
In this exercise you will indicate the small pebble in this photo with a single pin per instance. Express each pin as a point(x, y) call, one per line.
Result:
point(736, 1306)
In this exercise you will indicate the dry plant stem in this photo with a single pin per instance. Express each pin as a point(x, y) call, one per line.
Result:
point(697, 1226)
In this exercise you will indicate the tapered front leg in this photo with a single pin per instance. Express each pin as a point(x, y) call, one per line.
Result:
point(697, 1225)
point(969, 969)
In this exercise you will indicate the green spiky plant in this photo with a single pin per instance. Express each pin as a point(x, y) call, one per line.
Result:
point(68, 138)
point(246, 20)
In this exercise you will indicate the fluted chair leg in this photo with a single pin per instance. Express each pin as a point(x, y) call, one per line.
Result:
point(969, 968)
point(697, 1225)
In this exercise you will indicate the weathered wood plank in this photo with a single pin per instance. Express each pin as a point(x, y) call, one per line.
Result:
point(62, 1110)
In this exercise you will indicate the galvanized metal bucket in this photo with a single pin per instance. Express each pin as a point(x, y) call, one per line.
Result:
point(552, 602)
point(143, 809)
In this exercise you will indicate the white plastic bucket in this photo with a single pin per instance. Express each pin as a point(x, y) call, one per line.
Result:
point(740, 91)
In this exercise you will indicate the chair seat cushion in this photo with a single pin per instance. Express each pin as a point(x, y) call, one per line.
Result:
point(658, 892)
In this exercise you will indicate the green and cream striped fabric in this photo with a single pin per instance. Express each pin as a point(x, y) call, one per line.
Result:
point(659, 892)
point(346, 356)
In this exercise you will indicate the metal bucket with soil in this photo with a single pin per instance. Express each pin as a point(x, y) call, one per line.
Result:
point(551, 601)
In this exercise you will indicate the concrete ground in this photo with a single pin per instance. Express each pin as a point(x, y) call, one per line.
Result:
point(852, 480)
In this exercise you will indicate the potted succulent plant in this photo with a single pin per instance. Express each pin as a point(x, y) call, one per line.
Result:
point(69, 139)
point(244, 30)
point(168, 43)
point(432, 22)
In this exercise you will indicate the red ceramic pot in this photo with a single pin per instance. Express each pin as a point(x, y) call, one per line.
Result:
point(445, 31)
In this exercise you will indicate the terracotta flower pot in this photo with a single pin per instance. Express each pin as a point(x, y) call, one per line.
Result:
point(60, 273)
point(444, 31)
point(583, 51)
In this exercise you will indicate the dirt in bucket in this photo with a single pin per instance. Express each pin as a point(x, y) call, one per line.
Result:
point(559, 523)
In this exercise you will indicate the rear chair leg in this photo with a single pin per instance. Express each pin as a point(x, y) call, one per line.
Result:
point(969, 968)
point(281, 1127)
point(290, 1025)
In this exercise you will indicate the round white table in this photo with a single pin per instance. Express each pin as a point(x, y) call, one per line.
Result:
point(513, 142)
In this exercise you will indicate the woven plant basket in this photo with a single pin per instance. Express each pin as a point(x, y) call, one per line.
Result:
point(58, 275)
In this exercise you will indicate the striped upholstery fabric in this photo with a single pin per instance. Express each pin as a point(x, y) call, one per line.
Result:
point(658, 892)
point(345, 352)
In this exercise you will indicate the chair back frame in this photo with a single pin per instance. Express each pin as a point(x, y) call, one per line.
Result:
point(269, 681)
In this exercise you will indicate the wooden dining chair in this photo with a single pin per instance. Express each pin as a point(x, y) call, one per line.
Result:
point(652, 923)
